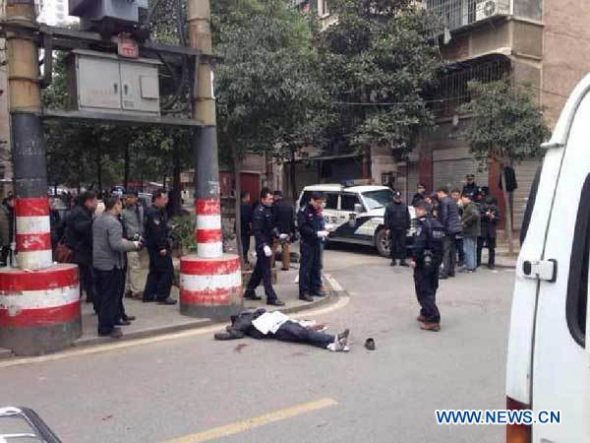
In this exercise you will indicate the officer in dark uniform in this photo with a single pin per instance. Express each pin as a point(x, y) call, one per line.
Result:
point(426, 260)
point(313, 233)
point(161, 275)
point(263, 226)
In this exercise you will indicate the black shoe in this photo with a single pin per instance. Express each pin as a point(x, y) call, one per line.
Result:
point(275, 302)
point(130, 318)
point(306, 297)
point(318, 293)
point(148, 300)
point(284, 269)
point(168, 302)
point(443, 277)
point(404, 264)
point(115, 333)
point(252, 296)
point(123, 323)
point(452, 275)
point(393, 263)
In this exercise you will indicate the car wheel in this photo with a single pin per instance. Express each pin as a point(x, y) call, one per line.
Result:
point(383, 243)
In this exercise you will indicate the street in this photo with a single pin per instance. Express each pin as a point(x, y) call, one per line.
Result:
point(195, 389)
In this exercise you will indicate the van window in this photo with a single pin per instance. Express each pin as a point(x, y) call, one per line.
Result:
point(530, 205)
point(348, 201)
point(577, 290)
point(331, 201)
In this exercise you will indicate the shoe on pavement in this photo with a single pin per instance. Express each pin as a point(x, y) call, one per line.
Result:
point(148, 300)
point(276, 302)
point(370, 344)
point(340, 343)
point(443, 277)
point(306, 297)
point(252, 297)
point(404, 264)
point(393, 263)
point(284, 269)
point(421, 318)
point(433, 327)
point(318, 293)
point(168, 302)
point(115, 333)
point(130, 318)
point(123, 323)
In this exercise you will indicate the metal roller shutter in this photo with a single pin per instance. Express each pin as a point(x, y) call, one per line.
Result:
point(525, 174)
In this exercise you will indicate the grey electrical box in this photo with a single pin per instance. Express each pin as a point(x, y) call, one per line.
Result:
point(97, 10)
point(100, 82)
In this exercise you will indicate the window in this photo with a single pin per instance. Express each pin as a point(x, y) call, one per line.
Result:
point(348, 201)
point(324, 10)
point(577, 289)
point(378, 199)
point(331, 201)
point(530, 205)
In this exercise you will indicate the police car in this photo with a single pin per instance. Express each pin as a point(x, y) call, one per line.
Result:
point(355, 213)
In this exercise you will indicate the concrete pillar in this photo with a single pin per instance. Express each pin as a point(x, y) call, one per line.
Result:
point(211, 281)
point(39, 302)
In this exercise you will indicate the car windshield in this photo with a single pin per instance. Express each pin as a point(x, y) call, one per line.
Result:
point(378, 199)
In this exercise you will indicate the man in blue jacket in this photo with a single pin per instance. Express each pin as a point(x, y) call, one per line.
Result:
point(449, 218)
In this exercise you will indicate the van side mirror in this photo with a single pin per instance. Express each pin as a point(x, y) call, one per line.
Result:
point(358, 208)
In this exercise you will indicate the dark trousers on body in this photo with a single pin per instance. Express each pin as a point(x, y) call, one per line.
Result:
point(111, 287)
point(295, 333)
point(262, 273)
point(398, 244)
point(490, 243)
point(449, 255)
point(160, 277)
point(310, 269)
point(88, 285)
point(245, 246)
point(426, 282)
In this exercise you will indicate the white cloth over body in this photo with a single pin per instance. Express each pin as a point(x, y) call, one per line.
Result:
point(270, 322)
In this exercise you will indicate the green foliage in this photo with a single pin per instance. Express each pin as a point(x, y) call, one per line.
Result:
point(375, 62)
point(183, 232)
point(506, 124)
point(266, 85)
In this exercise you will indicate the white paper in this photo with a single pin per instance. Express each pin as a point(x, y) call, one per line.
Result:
point(270, 322)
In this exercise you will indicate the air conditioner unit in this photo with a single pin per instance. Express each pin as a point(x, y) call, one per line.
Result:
point(485, 9)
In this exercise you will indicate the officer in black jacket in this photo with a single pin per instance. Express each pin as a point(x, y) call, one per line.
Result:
point(263, 226)
point(157, 233)
point(78, 234)
point(397, 222)
point(311, 228)
point(427, 256)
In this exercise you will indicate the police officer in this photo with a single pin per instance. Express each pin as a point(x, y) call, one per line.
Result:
point(263, 226)
point(398, 222)
point(313, 233)
point(161, 275)
point(427, 257)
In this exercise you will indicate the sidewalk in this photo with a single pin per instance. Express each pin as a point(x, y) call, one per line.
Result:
point(154, 319)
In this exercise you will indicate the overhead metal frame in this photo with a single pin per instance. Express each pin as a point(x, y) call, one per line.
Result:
point(52, 38)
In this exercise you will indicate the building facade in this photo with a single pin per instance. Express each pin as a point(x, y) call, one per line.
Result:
point(54, 12)
point(544, 43)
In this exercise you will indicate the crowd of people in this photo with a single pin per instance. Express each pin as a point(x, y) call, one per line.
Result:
point(272, 223)
point(107, 238)
point(453, 227)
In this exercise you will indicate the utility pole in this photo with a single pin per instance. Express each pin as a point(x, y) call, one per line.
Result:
point(211, 281)
point(39, 302)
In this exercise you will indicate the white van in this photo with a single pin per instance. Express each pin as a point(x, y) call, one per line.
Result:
point(548, 361)
point(355, 214)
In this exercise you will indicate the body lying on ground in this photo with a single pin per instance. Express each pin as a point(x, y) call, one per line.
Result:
point(260, 324)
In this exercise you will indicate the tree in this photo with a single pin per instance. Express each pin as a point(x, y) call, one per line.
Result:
point(507, 126)
point(376, 62)
point(266, 84)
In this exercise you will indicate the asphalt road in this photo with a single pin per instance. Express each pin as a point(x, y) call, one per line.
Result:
point(194, 389)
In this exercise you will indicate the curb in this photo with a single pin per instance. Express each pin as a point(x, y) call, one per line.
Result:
point(335, 291)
